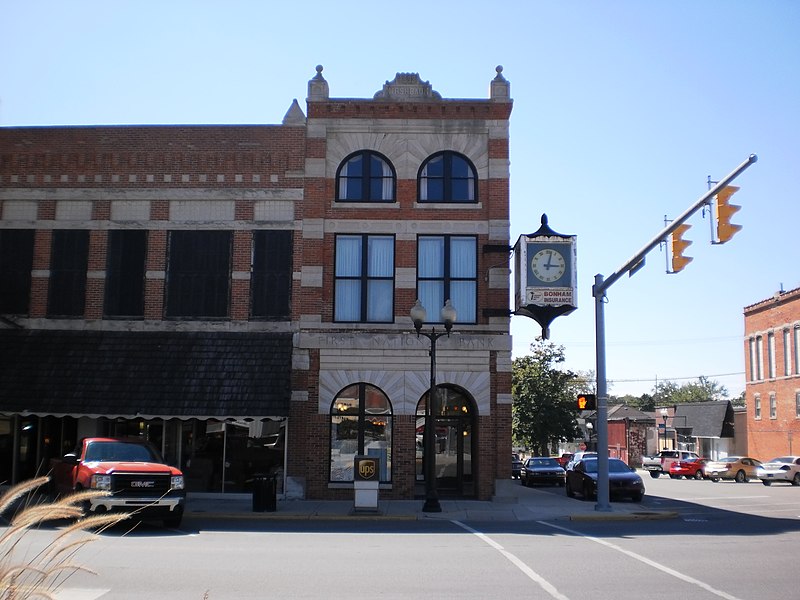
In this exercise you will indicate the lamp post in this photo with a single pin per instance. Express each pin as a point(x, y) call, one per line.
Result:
point(448, 317)
point(589, 430)
point(664, 413)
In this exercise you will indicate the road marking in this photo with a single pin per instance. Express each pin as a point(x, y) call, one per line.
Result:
point(533, 575)
point(647, 561)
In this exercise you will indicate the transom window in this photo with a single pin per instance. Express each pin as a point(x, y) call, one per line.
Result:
point(361, 424)
point(447, 177)
point(364, 278)
point(447, 270)
point(365, 176)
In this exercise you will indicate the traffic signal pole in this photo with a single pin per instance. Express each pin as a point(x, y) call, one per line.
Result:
point(599, 292)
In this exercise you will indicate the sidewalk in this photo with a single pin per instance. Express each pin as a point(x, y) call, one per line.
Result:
point(512, 503)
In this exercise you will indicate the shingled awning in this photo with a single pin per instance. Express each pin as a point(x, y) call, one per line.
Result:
point(145, 374)
point(705, 419)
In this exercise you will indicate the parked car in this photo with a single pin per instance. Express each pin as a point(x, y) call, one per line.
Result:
point(623, 481)
point(782, 468)
point(542, 469)
point(661, 462)
point(577, 457)
point(691, 468)
point(516, 465)
point(564, 459)
point(739, 468)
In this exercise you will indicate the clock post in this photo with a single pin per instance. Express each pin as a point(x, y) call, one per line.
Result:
point(546, 276)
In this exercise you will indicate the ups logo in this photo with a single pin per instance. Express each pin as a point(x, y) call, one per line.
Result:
point(366, 468)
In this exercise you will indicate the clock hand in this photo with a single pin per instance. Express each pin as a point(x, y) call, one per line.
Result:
point(549, 265)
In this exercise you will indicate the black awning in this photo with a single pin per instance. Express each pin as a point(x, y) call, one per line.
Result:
point(145, 374)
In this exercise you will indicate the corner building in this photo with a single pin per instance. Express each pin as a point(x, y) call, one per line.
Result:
point(240, 295)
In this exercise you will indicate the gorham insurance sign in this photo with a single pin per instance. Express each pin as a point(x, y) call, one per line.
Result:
point(546, 275)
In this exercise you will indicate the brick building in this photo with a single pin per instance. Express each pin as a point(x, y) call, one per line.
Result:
point(772, 370)
point(240, 295)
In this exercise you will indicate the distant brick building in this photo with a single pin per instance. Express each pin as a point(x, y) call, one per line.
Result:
point(772, 358)
point(240, 295)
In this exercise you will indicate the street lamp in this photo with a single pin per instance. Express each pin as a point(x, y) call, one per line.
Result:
point(589, 429)
point(448, 317)
point(664, 414)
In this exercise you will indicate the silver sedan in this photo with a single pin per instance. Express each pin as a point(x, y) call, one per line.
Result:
point(781, 468)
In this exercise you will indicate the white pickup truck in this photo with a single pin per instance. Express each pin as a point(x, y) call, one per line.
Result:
point(661, 462)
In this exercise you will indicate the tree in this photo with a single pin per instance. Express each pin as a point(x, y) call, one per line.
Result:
point(703, 390)
point(543, 409)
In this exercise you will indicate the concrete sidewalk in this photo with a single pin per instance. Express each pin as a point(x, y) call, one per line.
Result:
point(512, 503)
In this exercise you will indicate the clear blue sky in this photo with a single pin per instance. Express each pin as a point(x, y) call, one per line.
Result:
point(622, 109)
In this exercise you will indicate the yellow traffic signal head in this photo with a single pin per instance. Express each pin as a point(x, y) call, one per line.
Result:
point(587, 402)
point(724, 211)
point(678, 246)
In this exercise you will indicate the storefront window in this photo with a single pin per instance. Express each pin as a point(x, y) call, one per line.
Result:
point(361, 424)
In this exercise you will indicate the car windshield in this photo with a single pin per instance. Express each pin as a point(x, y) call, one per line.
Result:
point(782, 459)
point(542, 462)
point(614, 466)
point(120, 451)
point(729, 459)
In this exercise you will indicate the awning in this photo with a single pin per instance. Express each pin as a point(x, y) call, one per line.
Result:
point(172, 374)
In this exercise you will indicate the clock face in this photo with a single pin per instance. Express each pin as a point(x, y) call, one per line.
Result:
point(548, 265)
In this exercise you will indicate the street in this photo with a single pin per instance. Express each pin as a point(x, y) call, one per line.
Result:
point(733, 541)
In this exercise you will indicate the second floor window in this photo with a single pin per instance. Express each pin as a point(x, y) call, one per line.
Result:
point(68, 264)
point(365, 177)
point(16, 262)
point(198, 274)
point(125, 270)
point(271, 282)
point(757, 407)
point(447, 177)
point(447, 267)
point(773, 407)
point(364, 278)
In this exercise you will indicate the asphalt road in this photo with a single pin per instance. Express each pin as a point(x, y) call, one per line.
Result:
point(732, 541)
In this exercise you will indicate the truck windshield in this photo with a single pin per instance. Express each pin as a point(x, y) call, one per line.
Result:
point(120, 451)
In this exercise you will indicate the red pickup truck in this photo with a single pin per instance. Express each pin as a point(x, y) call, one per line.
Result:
point(133, 473)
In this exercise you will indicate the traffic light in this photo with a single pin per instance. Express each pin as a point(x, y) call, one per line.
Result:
point(587, 402)
point(725, 229)
point(679, 245)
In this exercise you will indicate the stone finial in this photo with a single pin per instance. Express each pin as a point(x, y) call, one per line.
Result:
point(318, 87)
point(500, 87)
point(295, 115)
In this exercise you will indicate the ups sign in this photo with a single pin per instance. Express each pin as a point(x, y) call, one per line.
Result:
point(366, 468)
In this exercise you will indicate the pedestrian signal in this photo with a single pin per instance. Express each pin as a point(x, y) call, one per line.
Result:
point(587, 402)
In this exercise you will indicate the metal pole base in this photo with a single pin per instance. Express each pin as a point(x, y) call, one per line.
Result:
point(431, 505)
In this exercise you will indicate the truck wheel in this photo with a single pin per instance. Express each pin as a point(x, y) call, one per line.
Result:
point(654, 474)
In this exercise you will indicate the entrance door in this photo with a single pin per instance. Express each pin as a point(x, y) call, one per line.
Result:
point(454, 443)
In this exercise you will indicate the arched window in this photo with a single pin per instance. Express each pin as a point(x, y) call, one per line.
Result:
point(361, 424)
point(365, 176)
point(447, 177)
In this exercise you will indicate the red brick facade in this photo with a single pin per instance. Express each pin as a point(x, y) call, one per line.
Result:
point(772, 341)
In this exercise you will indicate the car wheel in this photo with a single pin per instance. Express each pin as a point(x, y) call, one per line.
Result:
point(671, 476)
point(638, 497)
point(568, 490)
point(587, 491)
point(766, 482)
point(173, 522)
point(714, 479)
point(698, 475)
point(654, 474)
point(741, 477)
point(796, 479)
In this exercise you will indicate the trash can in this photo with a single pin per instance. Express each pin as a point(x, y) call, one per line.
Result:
point(265, 493)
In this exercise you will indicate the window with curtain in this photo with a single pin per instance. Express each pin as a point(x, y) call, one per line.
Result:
point(68, 263)
point(125, 272)
point(447, 177)
point(365, 176)
point(447, 267)
point(361, 424)
point(16, 262)
point(364, 279)
point(199, 274)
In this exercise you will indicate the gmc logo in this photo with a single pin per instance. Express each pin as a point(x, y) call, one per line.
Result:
point(143, 484)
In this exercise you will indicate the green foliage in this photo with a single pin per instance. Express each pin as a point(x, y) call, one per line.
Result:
point(543, 412)
point(703, 390)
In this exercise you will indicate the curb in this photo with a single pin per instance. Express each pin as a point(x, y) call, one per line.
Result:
point(632, 516)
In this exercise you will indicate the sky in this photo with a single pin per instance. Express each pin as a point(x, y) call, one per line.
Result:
point(622, 112)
